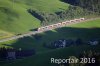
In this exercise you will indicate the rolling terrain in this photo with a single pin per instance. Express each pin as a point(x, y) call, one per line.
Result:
point(15, 20)
point(14, 17)
point(85, 30)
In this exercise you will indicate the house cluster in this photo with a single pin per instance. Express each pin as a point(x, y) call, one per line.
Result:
point(62, 24)
point(61, 43)
point(12, 54)
point(93, 42)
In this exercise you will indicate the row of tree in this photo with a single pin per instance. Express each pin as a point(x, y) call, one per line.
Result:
point(70, 13)
point(5, 52)
point(93, 5)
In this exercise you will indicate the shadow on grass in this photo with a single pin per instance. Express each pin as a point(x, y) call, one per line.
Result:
point(37, 41)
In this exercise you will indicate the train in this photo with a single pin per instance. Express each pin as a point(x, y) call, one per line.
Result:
point(61, 24)
point(45, 28)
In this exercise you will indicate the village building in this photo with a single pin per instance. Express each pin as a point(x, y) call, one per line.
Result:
point(93, 42)
point(11, 54)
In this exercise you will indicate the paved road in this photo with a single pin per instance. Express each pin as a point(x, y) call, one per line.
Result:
point(36, 32)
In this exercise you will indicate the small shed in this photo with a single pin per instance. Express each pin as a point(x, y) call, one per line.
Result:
point(11, 54)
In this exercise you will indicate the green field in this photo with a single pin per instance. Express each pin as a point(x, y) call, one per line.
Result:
point(86, 30)
point(4, 34)
point(90, 24)
point(14, 17)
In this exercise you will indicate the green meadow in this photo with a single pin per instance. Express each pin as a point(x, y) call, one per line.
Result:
point(85, 31)
point(43, 55)
point(15, 18)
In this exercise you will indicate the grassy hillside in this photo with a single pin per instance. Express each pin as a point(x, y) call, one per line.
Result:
point(43, 5)
point(84, 30)
point(4, 34)
point(14, 17)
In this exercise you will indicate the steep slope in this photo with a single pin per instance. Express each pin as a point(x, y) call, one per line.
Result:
point(15, 18)
point(85, 31)
point(4, 34)
point(43, 5)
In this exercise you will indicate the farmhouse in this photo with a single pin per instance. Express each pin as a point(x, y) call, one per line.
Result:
point(11, 54)
point(93, 42)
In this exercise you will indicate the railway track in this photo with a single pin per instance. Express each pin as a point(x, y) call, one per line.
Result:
point(47, 28)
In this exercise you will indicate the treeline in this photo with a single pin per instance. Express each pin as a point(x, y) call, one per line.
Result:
point(6, 52)
point(93, 5)
point(70, 13)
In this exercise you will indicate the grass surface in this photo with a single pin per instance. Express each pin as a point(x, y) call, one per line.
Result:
point(14, 17)
point(4, 34)
point(86, 32)
point(88, 24)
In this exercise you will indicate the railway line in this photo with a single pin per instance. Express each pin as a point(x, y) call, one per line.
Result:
point(47, 28)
